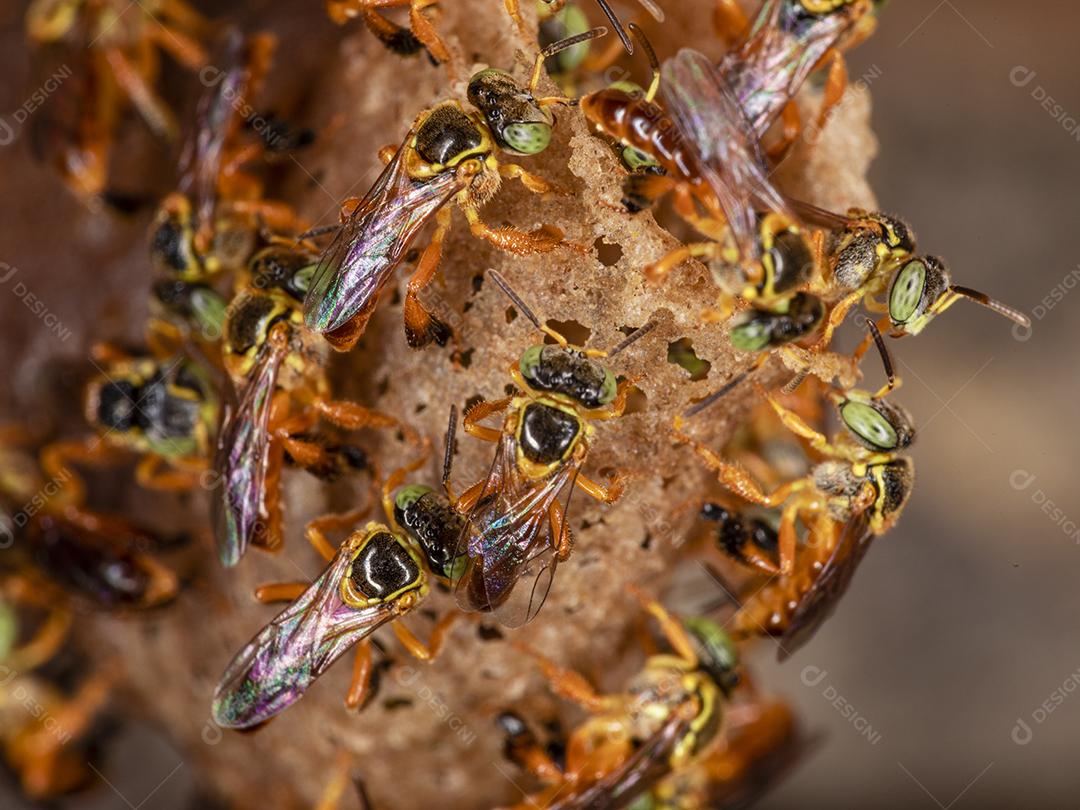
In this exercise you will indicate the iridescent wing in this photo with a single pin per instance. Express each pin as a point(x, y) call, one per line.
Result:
point(785, 43)
point(649, 764)
point(275, 668)
point(507, 540)
point(243, 452)
point(713, 127)
point(818, 603)
point(371, 244)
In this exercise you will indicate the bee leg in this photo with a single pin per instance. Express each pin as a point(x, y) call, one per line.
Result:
point(75, 717)
point(835, 84)
point(793, 422)
point(469, 497)
point(479, 412)
point(421, 325)
point(360, 684)
point(520, 243)
point(641, 190)
point(513, 8)
point(736, 479)
point(788, 540)
point(268, 535)
point(46, 642)
point(532, 182)
point(339, 781)
point(397, 38)
point(569, 684)
point(152, 109)
point(607, 494)
point(564, 540)
point(426, 33)
point(107, 353)
point(658, 271)
point(183, 48)
point(185, 16)
point(416, 648)
point(280, 592)
point(56, 464)
point(730, 21)
point(791, 128)
point(315, 531)
point(671, 627)
point(836, 318)
point(149, 475)
point(351, 416)
point(345, 336)
point(522, 748)
point(278, 216)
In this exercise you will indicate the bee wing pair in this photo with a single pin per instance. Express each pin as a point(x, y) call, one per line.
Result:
point(508, 538)
point(712, 124)
point(275, 668)
point(374, 240)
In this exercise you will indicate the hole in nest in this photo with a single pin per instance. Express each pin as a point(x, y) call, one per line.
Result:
point(488, 632)
point(681, 353)
point(647, 542)
point(636, 401)
point(393, 704)
point(382, 386)
point(465, 357)
point(608, 253)
point(511, 314)
point(477, 283)
point(421, 407)
point(395, 299)
point(574, 332)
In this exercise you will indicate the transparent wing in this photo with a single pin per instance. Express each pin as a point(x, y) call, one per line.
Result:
point(240, 462)
point(784, 45)
point(710, 121)
point(505, 560)
point(818, 603)
point(275, 668)
point(639, 774)
point(367, 248)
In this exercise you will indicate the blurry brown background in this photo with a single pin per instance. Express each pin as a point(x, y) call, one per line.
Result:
point(966, 618)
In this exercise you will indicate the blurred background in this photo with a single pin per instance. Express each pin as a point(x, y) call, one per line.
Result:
point(949, 676)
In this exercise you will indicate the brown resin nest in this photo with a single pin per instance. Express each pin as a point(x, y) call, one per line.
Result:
point(428, 738)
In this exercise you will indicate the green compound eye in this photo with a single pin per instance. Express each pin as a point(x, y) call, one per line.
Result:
point(907, 291)
point(718, 645)
point(409, 495)
point(869, 425)
point(636, 159)
point(209, 309)
point(750, 337)
point(527, 139)
point(529, 361)
point(607, 393)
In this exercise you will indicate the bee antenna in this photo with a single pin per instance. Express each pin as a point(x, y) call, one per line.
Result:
point(988, 302)
point(570, 42)
point(654, 63)
point(504, 285)
point(633, 337)
point(883, 350)
point(448, 453)
point(614, 20)
point(734, 382)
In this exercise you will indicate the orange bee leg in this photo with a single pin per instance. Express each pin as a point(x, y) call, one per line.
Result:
point(618, 405)
point(425, 31)
point(835, 84)
point(730, 21)
point(532, 182)
point(183, 48)
point(607, 494)
point(360, 683)
point(520, 243)
point(338, 783)
point(280, 592)
point(316, 529)
point(660, 270)
point(736, 479)
point(564, 539)
point(525, 751)
point(513, 8)
point(152, 109)
point(671, 627)
point(421, 326)
point(426, 652)
point(149, 475)
point(56, 462)
point(791, 128)
point(479, 412)
point(569, 684)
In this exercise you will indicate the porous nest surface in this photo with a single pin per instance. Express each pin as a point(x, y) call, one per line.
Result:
point(428, 739)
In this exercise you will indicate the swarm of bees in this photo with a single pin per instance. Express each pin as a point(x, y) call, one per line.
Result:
point(234, 384)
